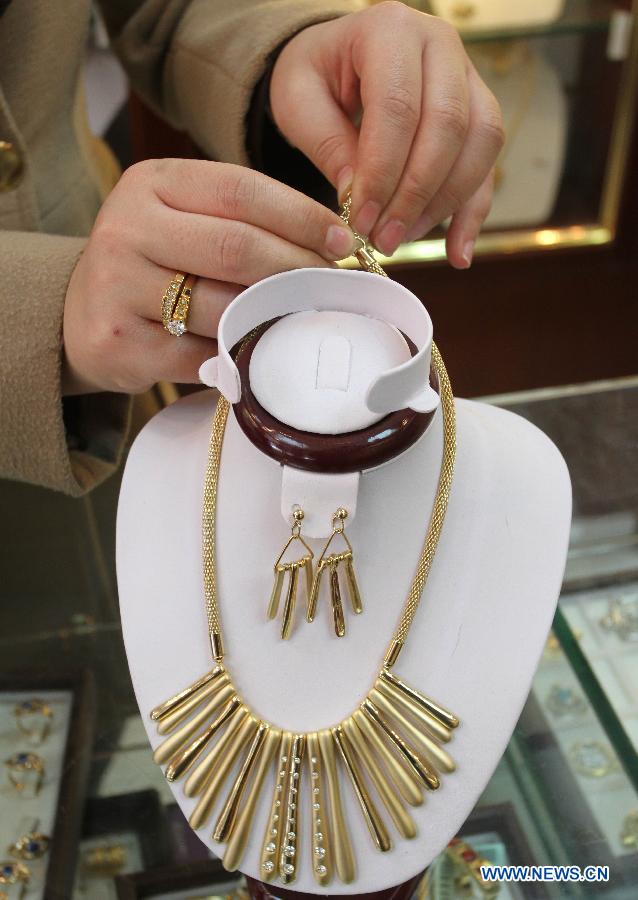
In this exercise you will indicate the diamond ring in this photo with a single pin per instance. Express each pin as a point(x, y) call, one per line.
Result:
point(176, 303)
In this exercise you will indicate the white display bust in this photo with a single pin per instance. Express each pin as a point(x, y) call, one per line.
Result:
point(476, 639)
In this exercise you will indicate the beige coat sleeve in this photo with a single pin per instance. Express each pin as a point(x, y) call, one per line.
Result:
point(69, 446)
point(197, 62)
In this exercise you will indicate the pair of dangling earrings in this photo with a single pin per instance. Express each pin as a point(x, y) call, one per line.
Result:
point(335, 562)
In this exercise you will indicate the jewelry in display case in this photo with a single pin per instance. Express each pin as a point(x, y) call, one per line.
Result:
point(468, 862)
point(629, 833)
point(44, 795)
point(14, 873)
point(621, 618)
point(104, 861)
point(564, 701)
point(33, 718)
point(32, 845)
point(592, 759)
point(25, 772)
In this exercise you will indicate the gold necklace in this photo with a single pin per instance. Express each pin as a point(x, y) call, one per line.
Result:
point(392, 741)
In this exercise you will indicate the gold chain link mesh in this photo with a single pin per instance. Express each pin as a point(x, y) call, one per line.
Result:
point(209, 520)
point(366, 258)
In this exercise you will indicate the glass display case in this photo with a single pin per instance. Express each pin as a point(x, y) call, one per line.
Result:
point(565, 73)
point(565, 793)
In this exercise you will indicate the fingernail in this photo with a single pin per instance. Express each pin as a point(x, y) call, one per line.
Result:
point(339, 242)
point(390, 236)
point(344, 182)
point(467, 254)
point(367, 218)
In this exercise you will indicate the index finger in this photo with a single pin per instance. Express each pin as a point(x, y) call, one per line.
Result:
point(440, 137)
point(237, 193)
point(391, 85)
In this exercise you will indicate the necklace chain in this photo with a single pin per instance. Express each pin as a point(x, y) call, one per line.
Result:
point(209, 515)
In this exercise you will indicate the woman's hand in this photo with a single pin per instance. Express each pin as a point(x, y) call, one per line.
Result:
point(226, 224)
point(429, 131)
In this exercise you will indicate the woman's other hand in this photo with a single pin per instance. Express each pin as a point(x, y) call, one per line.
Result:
point(387, 102)
point(226, 224)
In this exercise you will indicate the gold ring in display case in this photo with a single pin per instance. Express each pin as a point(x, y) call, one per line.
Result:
point(592, 759)
point(32, 845)
point(33, 718)
point(25, 770)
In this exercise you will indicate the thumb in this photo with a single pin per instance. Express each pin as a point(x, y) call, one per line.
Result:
point(310, 119)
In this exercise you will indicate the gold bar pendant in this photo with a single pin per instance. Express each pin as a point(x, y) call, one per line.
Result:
point(289, 606)
point(344, 857)
point(402, 820)
point(169, 705)
point(439, 712)
point(273, 606)
point(433, 725)
point(198, 778)
point(321, 856)
point(220, 687)
point(277, 819)
point(180, 763)
point(427, 775)
point(314, 594)
point(289, 849)
point(178, 739)
point(436, 755)
point(353, 587)
point(408, 784)
point(236, 846)
point(337, 605)
point(376, 825)
point(179, 709)
point(307, 566)
point(226, 820)
point(226, 761)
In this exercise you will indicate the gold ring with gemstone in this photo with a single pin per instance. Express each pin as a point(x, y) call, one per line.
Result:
point(13, 872)
point(177, 323)
point(32, 845)
point(33, 718)
point(25, 770)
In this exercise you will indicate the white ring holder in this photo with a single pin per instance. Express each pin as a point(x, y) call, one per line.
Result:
point(406, 385)
point(489, 600)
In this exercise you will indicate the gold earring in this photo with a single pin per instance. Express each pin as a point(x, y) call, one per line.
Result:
point(293, 568)
point(332, 562)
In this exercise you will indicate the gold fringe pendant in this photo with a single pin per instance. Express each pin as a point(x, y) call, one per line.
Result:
point(330, 563)
point(389, 751)
point(292, 568)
